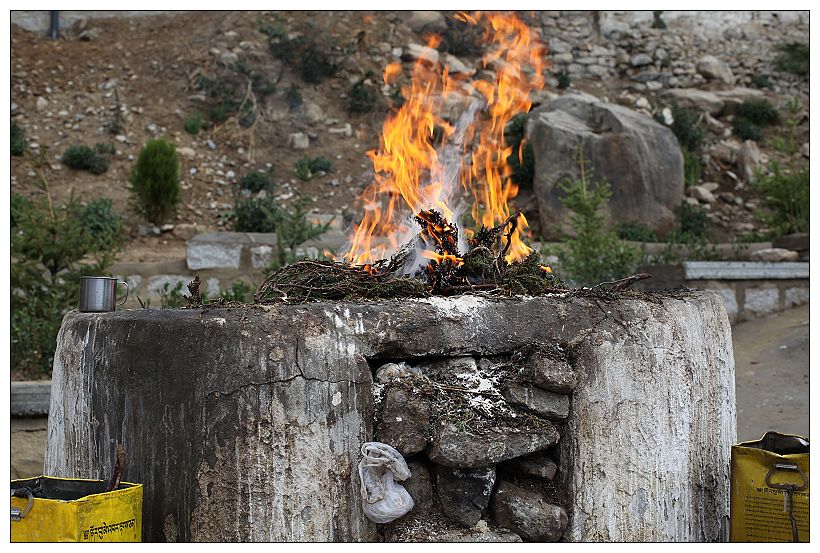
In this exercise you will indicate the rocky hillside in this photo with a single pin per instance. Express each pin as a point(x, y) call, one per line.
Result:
point(265, 89)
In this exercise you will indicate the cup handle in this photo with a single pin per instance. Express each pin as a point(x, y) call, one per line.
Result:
point(126, 292)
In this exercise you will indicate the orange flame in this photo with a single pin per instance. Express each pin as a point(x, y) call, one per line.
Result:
point(409, 172)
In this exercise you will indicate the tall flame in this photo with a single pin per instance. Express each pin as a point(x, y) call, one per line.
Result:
point(413, 174)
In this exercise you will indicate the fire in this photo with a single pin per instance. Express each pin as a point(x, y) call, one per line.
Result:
point(415, 173)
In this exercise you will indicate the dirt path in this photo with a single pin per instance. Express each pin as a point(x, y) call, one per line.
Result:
point(772, 374)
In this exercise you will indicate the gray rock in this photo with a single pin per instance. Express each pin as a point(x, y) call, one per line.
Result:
point(148, 230)
point(805, 150)
point(186, 151)
point(748, 160)
point(775, 254)
point(538, 465)
point(547, 368)
point(541, 402)
point(701, 194)
point(456, 65)
point(639, 60)
point(417, 51)
point(761, 300)
point(215, 250)
point(41, 103)
point(447, 369)
point(298, 141)
point(692, 98)
point(714, 69)
point(261, 256)
point(405, 421)
point(419, 486)
point(618, 144)
point(464, 493)
point(228, 58)
point(426, 21)
point(528, 514)
point(456, 448)
point(710, 186)
point(312, 113)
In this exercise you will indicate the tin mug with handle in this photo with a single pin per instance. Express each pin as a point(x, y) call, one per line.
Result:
point(99, 294)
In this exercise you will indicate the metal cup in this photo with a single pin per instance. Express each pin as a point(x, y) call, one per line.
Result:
point(99, 294)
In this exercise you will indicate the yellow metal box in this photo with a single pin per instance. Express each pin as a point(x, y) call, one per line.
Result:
point(770, 489)
point(46, 509)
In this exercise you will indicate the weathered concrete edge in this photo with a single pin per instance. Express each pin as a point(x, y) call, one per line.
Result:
point(744, 270)
point(30, 398)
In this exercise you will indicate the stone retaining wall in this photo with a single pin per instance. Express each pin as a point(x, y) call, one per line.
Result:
point(748, 289)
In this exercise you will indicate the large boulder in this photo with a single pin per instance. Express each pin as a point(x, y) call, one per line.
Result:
point(639, 157)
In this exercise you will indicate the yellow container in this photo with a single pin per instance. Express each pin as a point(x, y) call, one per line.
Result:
point(770, 489)
point(73, 510)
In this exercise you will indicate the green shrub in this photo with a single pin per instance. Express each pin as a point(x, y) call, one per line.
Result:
point(692, 221)
point(51, 247)
point(786, 195)
point(686, 128)
point(107, 149)
point(793, 58)
point(226, 93)
point(762, 81)
point(746, 130)
point(307, 167)
point(155, 181)
point(257, 215)
point(293, 97)
point(789, 144)
point(18, 140)
point(362, 98)
point(102, 223)
point(171, 297)
point(522, 160)
point(563, 81)
point(240, 292)
point(595, 254)
point(255, 181)
point(657, 22)
point(635, 232)
point(85, 158)
point(291, 226)
point(313, 61)
point(758, 111)
point(315, 64)
point(193, 123)
point(292, 229)
point(691, 167)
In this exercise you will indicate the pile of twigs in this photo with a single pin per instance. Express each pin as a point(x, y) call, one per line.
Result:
point(483, 268)
point(309, 280)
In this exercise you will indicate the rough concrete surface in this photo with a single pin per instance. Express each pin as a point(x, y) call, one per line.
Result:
point(245, 424)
